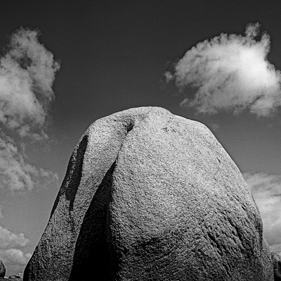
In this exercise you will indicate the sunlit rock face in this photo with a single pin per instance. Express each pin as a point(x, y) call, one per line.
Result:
point(149, 195)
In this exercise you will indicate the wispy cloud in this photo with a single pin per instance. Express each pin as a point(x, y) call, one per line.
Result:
point(229, 72)
point(266, 190)
point(15, 173)
point(27, 73)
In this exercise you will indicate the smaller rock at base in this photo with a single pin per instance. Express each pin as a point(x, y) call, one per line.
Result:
point(2, 269)
point(276, 258)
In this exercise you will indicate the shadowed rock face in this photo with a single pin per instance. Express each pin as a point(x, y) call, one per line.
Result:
point(151, 196)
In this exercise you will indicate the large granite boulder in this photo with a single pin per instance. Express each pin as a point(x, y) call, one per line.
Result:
point(149, 195)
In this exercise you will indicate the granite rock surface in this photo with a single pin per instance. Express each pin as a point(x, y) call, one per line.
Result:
point(149, 195)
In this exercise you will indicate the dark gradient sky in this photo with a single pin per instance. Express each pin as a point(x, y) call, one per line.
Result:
point(113, 55)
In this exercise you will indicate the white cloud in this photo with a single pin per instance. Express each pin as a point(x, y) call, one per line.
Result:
point(229, 72)
point(11, 240)
point(14, 257)
point(27, 74)
point(1, 212)
point(276, 248)
point(266, 190)
point(14, 260)
point(15, 173)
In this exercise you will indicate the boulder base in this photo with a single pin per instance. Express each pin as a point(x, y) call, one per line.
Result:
point(149, 195)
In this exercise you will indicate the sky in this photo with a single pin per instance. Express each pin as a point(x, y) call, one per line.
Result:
point(65, 64)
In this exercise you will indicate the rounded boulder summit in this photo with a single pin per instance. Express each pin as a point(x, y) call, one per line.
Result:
point(149, 195)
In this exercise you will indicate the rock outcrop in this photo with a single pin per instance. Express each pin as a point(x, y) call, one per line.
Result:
point(149, 195)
